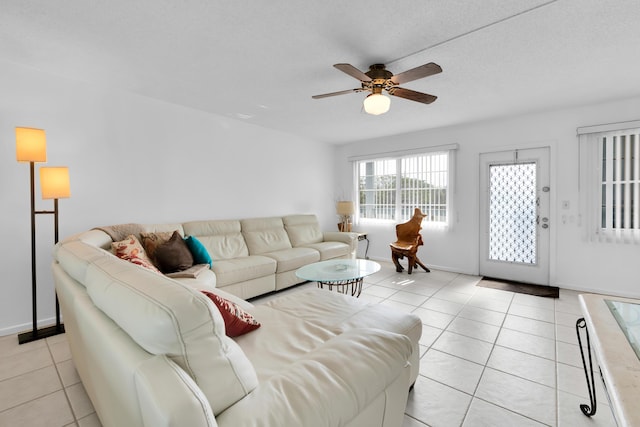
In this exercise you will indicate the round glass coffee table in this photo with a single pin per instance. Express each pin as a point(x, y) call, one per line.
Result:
point(346, 275)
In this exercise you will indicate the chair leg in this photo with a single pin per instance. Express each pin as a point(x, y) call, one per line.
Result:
point(394, 258)
point(412, 262)
point(419, 263)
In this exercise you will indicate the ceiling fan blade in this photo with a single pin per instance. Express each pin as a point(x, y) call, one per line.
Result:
point(425, 70)
point(342, 92)
point(353, 72)
point(412, 95)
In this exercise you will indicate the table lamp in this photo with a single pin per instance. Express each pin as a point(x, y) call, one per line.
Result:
point(345, 209)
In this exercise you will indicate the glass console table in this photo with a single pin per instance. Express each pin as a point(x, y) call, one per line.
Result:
point(345, 275)
point(612, 330)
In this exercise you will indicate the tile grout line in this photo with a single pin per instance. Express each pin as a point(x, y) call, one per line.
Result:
point(64, 389)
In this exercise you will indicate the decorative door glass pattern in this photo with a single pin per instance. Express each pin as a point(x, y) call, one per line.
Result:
point(512, 213)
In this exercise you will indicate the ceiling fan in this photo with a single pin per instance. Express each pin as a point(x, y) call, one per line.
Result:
point(378, 78)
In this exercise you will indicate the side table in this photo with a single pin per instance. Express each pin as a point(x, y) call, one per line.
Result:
point(361, 237)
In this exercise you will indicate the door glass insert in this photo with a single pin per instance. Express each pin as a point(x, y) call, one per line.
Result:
point(512, 213)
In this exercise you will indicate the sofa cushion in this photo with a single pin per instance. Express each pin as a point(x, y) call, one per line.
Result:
point(265, 235)
point(222, 238)
point(242, 269)
point(199, 252)
point(302, 229)
point(236, 321)
point(130, 249)
point(173, 255)
point(167, 318)
point(294, 258)
point(339, 313)
point(329, 250)
point(270, 350)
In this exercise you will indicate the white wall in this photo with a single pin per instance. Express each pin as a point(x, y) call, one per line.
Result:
point(575, 263)
point(135, 159)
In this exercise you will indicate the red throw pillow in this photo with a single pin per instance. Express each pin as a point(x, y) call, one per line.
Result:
point(236, 321)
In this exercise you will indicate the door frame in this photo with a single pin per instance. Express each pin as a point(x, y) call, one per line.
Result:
point(510, 270)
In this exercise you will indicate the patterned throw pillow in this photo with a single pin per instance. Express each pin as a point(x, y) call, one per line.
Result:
point(236, 321)
point(131, 249)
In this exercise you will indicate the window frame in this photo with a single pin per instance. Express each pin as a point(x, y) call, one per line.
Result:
point(398, 158)
point(605, 178)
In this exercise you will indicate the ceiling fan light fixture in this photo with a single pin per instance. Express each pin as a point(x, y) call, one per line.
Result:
point(376, 104)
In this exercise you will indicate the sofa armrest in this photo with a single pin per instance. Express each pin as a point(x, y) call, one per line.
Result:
point(168, 397)
point(332, 385)
point(350, 239)
point(340, 236)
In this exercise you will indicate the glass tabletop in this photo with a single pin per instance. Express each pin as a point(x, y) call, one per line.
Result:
point(335, 270)
point(628, 317)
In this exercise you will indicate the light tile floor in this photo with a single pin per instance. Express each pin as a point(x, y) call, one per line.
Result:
point(488, 358)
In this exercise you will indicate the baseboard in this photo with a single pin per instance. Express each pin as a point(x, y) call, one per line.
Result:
point(612, 292)
point(17, 329)
point(434, 266)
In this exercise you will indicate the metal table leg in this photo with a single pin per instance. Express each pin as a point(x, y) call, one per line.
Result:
point(591, 385)
point(352, 287)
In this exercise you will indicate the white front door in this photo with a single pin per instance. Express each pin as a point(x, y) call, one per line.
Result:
point(514, 215)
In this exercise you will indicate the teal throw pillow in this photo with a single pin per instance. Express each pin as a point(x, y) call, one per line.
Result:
point(199, 252)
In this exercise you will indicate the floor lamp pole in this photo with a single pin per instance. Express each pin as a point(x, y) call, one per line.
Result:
point(58, 328)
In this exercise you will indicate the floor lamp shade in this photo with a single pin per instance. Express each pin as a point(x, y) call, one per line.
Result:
point(54, 182)
point(31, 145)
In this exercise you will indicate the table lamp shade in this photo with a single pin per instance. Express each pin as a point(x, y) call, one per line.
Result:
point(31, 145)
point(54, 182)
point(345, 208)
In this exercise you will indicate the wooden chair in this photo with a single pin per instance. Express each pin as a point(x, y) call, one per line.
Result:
point(409, 239)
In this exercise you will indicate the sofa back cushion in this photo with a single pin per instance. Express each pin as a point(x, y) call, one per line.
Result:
point(302, 229)
point(222, 238)
point(165, 318)
point(265, 235)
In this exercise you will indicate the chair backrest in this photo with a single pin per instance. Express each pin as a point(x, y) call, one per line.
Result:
point(409, 232)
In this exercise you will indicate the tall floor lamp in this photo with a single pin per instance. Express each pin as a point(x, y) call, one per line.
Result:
point(31, 146)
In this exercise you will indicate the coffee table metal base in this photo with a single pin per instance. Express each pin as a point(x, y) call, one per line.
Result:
point(351, 287)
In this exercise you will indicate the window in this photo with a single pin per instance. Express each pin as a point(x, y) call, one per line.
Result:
point(611, 164)
point(391, 188)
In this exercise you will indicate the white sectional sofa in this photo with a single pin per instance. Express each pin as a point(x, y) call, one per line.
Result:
point(152, 350)
point(253, 256)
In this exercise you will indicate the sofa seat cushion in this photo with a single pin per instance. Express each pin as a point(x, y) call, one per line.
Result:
point(242, 269)
point(270, 350)
point(294, 258)
point(329, 250)
point(338, 313)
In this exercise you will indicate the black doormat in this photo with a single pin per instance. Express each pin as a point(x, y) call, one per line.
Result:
point(519, 287)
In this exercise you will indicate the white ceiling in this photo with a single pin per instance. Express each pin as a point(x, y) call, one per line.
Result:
point(260, 61)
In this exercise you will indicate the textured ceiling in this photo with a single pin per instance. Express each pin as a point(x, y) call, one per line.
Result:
point(260, 62)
